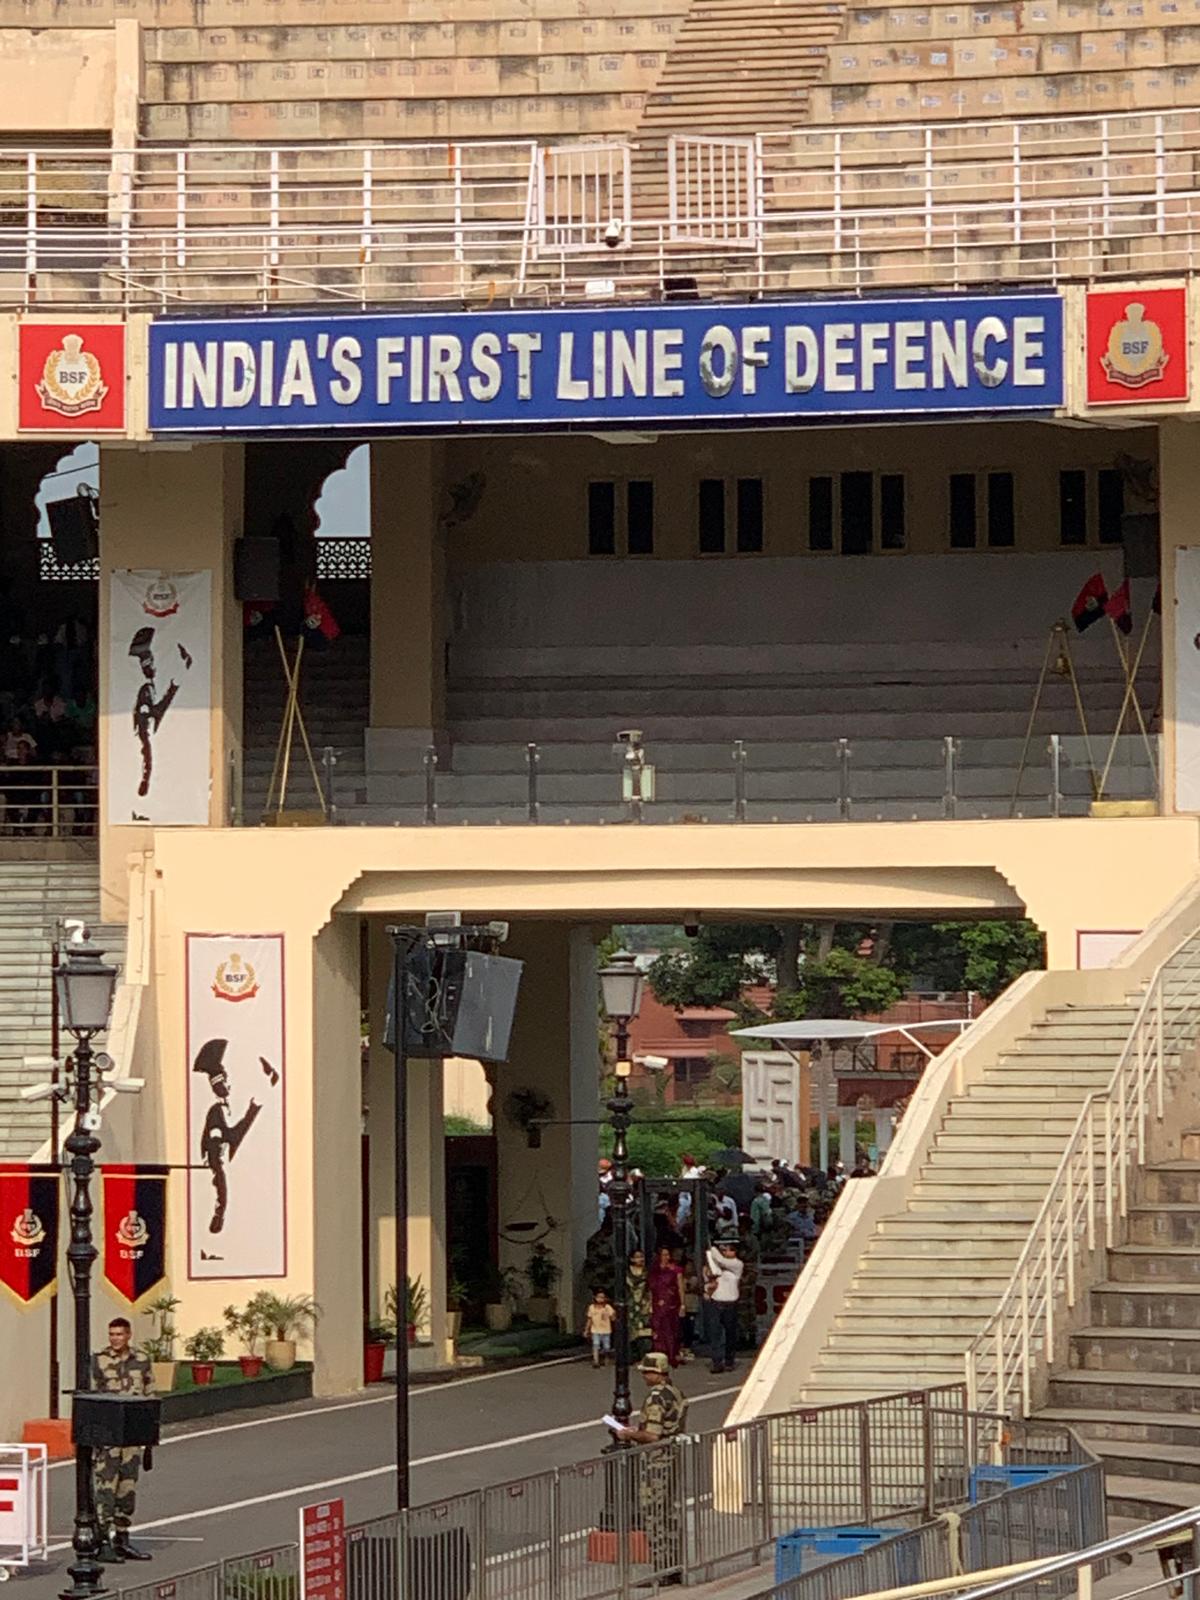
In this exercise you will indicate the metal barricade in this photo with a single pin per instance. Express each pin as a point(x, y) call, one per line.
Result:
point(201, 1583)
point(267, 1575)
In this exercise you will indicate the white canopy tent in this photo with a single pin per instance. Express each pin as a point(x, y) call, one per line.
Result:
point(799, 1038)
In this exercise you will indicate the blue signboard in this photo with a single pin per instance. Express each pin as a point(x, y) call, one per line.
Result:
point(699, 364)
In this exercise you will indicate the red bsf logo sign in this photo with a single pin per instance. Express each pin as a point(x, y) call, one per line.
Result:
point(71, 377)
point(1137, 346)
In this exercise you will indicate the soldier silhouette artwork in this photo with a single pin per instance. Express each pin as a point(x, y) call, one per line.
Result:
point(221, 1139)
point(149, 707)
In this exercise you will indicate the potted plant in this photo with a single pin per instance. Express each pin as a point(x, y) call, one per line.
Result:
point(204, 1346)
point(503, 1295)
point(376, 1338)
point(288, 1319)
point(543, 1273)
point(248, 1325)
point(416, 1308)
point(457, 1294)
point(159, 1348)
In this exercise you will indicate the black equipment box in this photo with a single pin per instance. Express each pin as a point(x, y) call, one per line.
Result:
point(105, 1421)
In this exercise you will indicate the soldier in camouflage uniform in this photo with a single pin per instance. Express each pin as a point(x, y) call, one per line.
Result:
point(118, 1370)
point(664, 1412)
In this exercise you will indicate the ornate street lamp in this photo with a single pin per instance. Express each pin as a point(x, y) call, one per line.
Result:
point(85, 985)
point(621, 997)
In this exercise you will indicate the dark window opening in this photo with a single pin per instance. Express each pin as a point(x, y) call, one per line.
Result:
point(1072, 507)
point(602, 519)
point(749, 515)
point(639, 517)
point(710, 516)
point(891, 511)
point(962, 511)
point(857, 513)
point(1001, 511)
point(1110, 495)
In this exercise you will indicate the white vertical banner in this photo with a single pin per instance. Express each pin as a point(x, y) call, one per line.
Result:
point(1187, 680)
point(159, 697)
point(236, 1082)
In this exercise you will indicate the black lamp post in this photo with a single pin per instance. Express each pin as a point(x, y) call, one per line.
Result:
point(621, 997)
point(85, 985)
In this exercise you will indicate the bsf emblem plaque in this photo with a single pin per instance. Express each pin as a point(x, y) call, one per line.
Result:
point(1137, 346)
point(71, 377)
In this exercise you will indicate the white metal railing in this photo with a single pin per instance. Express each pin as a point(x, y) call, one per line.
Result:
point(851, 207)
point(48, 802)
point(1088, 1198)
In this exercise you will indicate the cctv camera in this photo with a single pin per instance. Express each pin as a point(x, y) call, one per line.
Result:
point(91, 1121)
point(614, 233)
point(653, 1063)
point(38, 1091)
point(629, 735)
point(692, 930)
point(128, 1085)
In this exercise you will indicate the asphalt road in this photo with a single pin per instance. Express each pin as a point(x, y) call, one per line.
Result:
point(228, 1489)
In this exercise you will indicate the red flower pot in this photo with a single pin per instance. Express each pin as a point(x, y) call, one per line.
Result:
point(412, 1333)
point(251, 1366)
point(202, 1373)
point(373, 1355)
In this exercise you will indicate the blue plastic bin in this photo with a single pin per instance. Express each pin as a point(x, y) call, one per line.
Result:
point(793, 1550)
point(1003, 1478)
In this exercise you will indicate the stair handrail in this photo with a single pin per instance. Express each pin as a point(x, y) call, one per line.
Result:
point(1000, 1360)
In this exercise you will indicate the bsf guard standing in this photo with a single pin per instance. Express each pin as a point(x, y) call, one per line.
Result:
point(663, 1414)
point(118, 1370)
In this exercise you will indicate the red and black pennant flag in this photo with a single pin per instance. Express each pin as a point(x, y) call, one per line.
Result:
point(135, 1229)
point(1089, 603)
point(29, 1231)
point(320, 625)
point(1119, 608)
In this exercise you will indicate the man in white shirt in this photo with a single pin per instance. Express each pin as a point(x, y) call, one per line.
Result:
point(725, 1273)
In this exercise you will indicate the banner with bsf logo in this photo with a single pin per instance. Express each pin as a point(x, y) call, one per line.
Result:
point(135, 1230)
point(29, 1198)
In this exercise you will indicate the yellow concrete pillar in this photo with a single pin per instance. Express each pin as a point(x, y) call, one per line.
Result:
point(554, 1052)
point(336, 1190)
point(426, 1158)
point(1179, 528)
point(408, 632)
point(173, 510)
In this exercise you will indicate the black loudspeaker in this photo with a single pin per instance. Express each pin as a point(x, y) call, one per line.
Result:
point(74, 529)
point(115, 1420)
point(256, 569)
point(460, 1003)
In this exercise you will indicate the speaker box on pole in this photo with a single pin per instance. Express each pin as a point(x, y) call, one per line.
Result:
point(73, 529)
point(256, 568)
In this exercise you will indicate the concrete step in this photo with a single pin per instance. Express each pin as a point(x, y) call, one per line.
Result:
point(873, 1344)
point(940, 1231)
point(869, 1300)
point(1171, 1183)
point(1091, 1389)
point(1163, 1305)
point(1138, 1428)
point(1165, 1223)
point(1041, 1150)
point(1149, 1499)
point(1152, 1264)
point(1173, 1352)
point(956, 1198)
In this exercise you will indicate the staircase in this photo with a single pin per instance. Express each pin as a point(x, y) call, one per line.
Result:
point(969, 1213)
point(33, 895)
point(1132, 1387)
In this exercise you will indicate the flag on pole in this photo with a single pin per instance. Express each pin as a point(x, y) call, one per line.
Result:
point(1090, 603)
point(320, 625)
point(1119, 608)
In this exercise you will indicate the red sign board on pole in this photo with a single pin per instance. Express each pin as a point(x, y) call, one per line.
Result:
point(323, 1551)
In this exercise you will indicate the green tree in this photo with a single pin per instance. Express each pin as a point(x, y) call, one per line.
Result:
point(841, 984)
point(982, 956)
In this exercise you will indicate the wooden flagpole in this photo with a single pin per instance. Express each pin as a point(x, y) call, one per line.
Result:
point(1131, 673)
point(1058, 636)
point(293, 717)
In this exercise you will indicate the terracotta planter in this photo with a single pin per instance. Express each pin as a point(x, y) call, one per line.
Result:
point(202, 1373)
point(281, 1354)
point(498, 1317)
point(412, 1333)
point(373, 1354)
point(164, 1376)
point(251, 1366)
point(539, 1308)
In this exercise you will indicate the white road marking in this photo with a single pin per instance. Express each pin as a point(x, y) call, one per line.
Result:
point(353, 1405)
point(382, 1472)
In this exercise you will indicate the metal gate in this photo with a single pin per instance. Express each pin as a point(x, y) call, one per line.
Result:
point(582, 189)
point(713, 191)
